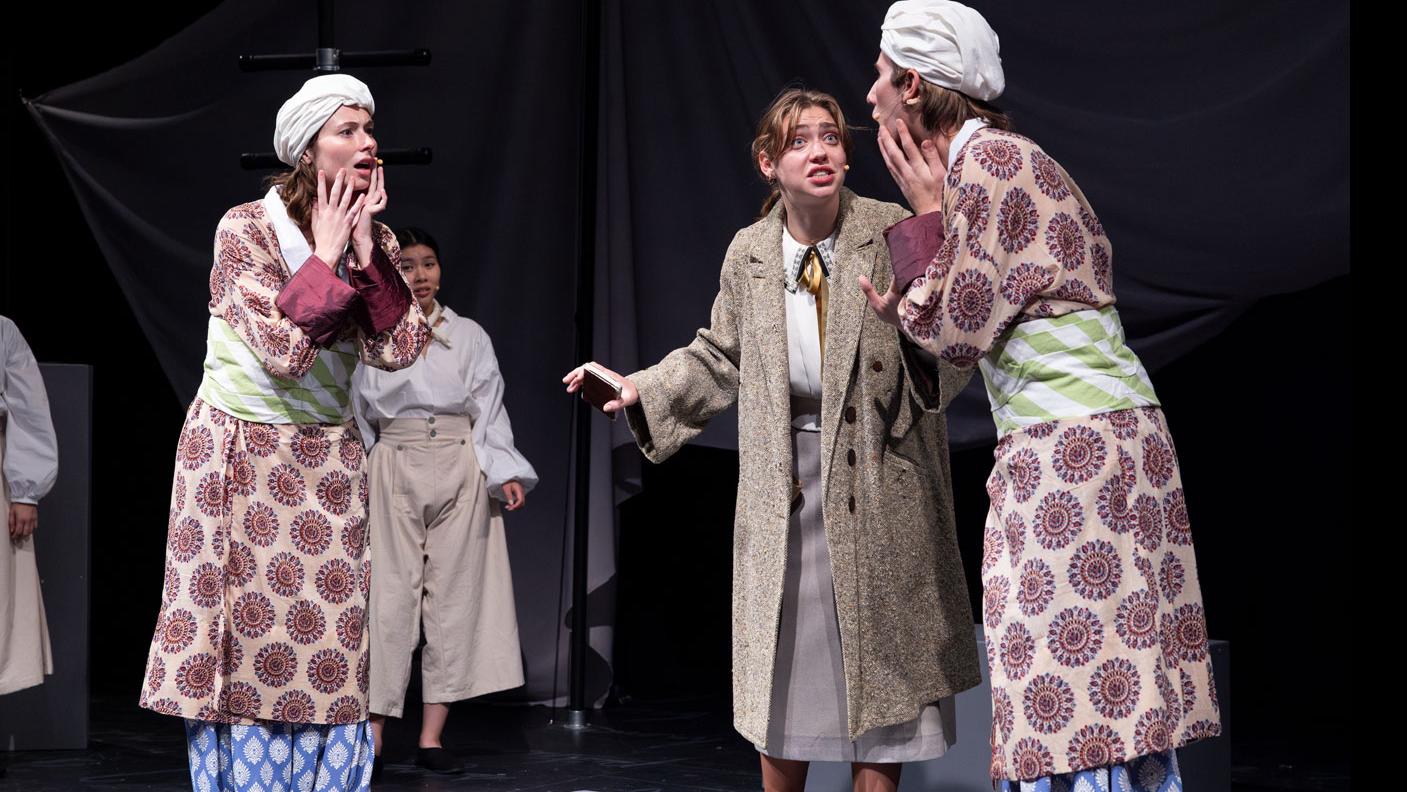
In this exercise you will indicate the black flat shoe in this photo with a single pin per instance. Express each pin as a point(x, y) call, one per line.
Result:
point(438, 760)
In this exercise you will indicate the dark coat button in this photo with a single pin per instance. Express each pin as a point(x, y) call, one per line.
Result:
point(850, 414)
point(852, 504)
point(877, 366)
point(850, 457)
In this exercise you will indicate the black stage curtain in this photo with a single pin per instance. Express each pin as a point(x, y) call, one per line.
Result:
point(1210, 137)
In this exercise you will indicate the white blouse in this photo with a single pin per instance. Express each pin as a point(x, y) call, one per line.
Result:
point(803, 330)
point(460, 380)
point(31, 450)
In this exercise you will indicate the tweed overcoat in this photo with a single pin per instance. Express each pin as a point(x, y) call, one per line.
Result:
point(906, 627)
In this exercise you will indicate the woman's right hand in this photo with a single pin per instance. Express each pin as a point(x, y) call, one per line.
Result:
point(334, 217)
point(628, 394)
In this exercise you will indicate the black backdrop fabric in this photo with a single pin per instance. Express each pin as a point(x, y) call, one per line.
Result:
point(1211, 138)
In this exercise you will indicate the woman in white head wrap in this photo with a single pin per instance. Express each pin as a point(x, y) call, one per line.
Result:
point(1096, 637)
point(259, 645)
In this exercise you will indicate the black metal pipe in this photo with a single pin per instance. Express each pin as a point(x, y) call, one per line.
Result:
point(308, 61)
point(405, 156)
point(585, 303)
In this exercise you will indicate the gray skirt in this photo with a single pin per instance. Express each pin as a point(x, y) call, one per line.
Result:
point(808, 713)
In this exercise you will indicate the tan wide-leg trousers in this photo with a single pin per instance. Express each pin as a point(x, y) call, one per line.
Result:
point(25, 656)
point(438, 554)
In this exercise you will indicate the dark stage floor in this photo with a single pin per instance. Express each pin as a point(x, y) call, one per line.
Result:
point(685, 745)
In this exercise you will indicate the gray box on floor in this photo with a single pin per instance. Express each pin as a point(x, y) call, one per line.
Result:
point(55, 714)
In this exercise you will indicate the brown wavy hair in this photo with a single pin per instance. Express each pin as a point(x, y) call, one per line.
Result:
point(945, 110)
point(299, 190)
point(778, 123)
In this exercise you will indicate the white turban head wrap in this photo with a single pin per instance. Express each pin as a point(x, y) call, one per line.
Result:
point(305, 112)
point(947, 43)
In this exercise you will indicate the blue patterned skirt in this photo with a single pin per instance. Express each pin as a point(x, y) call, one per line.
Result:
point(1152, 773)
point(272, 755)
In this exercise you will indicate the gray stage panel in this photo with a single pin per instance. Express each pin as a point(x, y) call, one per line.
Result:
point(1206, 766)
point(55, 714)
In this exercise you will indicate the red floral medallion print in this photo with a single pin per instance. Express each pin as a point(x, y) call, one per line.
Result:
point(1015, 538)
point(1001, 158)
point(1148, 522)
point(196, 447)
point(1018, 650)
point(1017, 220)
point(1095, 570)
point(287, 486)
point(1048, 176)
point(1024, 282)
point(1031, 758)
point(261, 525)
point(242, 481)
point(327, 671)
point(349, 628)
point(295, 706)
point(994, 594)
point(276, 664)
point(1172, 576)
point(186, 539)
point(1190, 633)
point(1095, 745)
point(262, 439)
point(1023, 468)
point(207, 586)
point(178, 631)
point(1001, 713)
point(1037, 587)
point(253, 615)
point(285, 574)
point(1075, 637)
point(344, 709)
point(195, 677)
point(1059, 519)
point(1136, 620)
point(1114, 688)
point(312, 533)
point(335, 492)
point(1048, 703)
point(1179, 528)
point(311, 446)
point(354, 537)
point(336, 581)
point(1079, 455)
point(210, 495)
point(350, 452)
point(240, 698)
point(305, 622)
point(240, 566)
point(1157, 461)
point(1065, 241)
point(1151, 733)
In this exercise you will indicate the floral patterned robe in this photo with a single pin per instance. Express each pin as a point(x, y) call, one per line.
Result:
point(1096, 638)
point(264, 603)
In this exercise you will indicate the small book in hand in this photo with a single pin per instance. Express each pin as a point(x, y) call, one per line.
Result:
point(598, 387)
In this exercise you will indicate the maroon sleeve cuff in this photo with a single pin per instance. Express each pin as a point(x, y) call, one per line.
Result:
point(385, 297)
point(913, 242)
point(317, 301)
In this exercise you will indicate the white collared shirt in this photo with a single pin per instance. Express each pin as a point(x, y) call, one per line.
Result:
point(460, 380)
point(803, 328)
point(960, 139)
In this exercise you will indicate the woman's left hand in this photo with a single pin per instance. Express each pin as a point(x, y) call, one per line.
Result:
point(513, 492)
point(363, 241)
point(886, 306)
